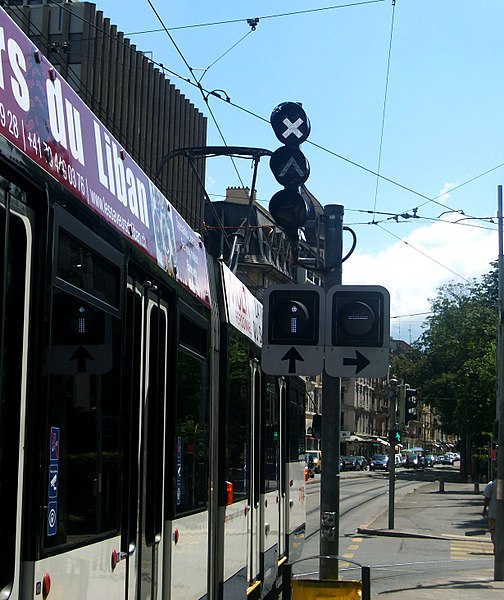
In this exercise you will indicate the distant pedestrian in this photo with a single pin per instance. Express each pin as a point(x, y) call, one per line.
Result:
point(489, 506)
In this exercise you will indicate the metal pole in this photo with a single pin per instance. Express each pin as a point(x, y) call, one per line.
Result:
point(331, 411)
point(499, 532)
point(391, 463)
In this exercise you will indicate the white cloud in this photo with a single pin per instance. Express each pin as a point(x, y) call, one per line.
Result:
point(412, 271)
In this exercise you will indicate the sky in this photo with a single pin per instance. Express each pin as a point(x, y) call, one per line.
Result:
point(405, 103)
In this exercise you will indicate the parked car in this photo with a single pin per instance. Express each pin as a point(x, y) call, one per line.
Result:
point(446, 459)
point(430, 460)
point(411, 461)
point(317, 459)
point(362, 463)
point(379, 462)
point(398, 460)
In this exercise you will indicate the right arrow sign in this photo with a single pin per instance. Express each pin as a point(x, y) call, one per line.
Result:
point(360, 362)
point(349, 362)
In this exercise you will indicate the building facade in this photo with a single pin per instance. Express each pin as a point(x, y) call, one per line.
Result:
point(126, 90)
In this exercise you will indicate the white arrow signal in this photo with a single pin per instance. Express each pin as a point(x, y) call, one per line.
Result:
point(291, 163)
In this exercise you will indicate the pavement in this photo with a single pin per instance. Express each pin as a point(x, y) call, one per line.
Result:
point(444, 508)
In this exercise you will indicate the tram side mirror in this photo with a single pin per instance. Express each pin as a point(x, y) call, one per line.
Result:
point(317, 426)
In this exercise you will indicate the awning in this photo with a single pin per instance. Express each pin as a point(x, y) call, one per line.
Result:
point(354, 438)
point(383, 442)
point(416, 449)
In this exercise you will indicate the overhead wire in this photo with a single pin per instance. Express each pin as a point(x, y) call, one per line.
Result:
point(424, 254)
point(264, 17)
point(198, 85)
point(378, 175)
point(227, 99)
point(384, 110)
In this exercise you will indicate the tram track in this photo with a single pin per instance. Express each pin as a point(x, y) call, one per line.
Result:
point(372, 494)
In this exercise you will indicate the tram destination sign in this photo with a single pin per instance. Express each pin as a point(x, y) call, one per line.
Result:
point(42, 116)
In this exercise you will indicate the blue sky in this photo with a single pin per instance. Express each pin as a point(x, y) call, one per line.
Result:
point(412, 91)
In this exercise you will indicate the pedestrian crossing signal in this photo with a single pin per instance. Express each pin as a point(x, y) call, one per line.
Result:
point(394, 437)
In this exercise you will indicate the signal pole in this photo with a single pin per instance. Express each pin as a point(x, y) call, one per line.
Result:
point(499, 533)
point(391, 463)
point(331, 410)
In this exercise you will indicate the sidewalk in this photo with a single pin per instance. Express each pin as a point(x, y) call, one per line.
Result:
point(447, 509)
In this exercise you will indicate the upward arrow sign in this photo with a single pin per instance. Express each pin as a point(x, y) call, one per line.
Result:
point(292, 355)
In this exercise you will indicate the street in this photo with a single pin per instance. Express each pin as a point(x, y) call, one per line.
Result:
point(438, 537)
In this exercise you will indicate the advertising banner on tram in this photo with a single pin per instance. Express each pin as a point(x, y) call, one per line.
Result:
point(44, 117)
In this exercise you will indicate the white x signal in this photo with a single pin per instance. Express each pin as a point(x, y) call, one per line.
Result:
point(292, 128)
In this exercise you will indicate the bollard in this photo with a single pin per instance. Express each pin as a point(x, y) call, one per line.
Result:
point(476, 488)
point(441, 486)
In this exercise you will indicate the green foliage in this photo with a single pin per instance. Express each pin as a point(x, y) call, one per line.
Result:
point(453, 363)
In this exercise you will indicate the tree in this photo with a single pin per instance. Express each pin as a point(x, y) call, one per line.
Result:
point(453, 363)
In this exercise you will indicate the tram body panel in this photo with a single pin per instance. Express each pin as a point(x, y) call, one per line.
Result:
point(235, 540)
point(189, 556)
point(83, 573)
point(271, 531)
point(296, 508)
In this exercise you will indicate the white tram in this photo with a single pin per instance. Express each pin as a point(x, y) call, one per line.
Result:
point(143, 453)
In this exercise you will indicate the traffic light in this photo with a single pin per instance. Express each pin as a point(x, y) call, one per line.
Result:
point(290, 167)
point(360, 316)
point(394, 437)
point(293, 335)
point(407, 404)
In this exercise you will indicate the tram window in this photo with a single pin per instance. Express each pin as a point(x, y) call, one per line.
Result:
point(83, 422)
point(237, 458)
point(192, 435)
point(297, 440)
point(271, 435)
point(87, 270)
point(192, 336)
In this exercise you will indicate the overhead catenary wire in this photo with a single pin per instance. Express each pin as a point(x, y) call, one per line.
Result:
point(391, 215)
point(227, 99)
point(264, 17)
point(384, 110)
point(424, 254)
point(198, 85)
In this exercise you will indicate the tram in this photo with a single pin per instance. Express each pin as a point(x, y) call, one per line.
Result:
point(143, 452)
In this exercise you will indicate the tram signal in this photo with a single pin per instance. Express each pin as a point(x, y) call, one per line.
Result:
point(357, 331)
point(293, 330)
point(289, 210)
point(290, 123)
point(290, 167)
point(358, 315)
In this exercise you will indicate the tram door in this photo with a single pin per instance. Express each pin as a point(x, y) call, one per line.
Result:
point(15, 271)
point(147, 340)
point(254, 515)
